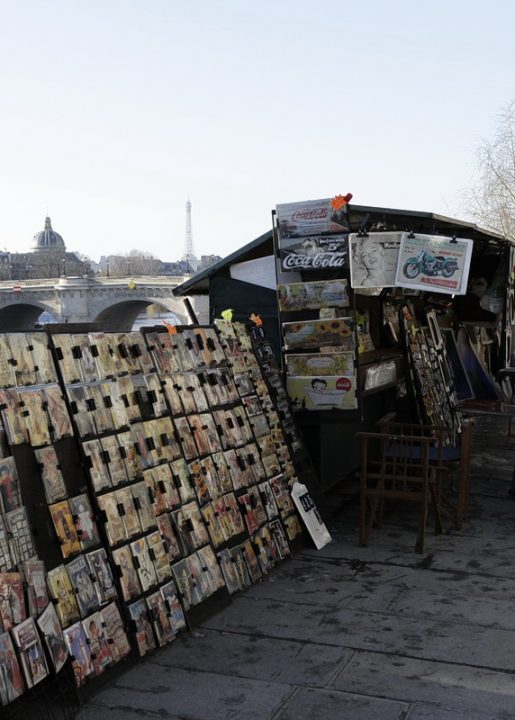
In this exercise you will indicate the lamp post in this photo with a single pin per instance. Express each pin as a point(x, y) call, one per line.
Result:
point(107, 268)
point(64, 267)
point(128, 268)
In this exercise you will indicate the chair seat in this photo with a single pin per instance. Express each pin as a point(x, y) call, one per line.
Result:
point(448, 454)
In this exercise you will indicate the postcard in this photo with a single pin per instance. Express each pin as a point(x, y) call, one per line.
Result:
point(322, 392)
point(50, 628)
point(80, 654)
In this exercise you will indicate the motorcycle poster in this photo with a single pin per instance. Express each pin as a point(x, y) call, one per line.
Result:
point(433, 263)
point(373, 259)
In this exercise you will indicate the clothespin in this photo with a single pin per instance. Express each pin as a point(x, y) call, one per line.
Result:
point(340, 201)
point(172, 330)
point(256, 319)
point(227, 314)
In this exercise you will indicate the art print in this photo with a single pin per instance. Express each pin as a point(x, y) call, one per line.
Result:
point(97, 466)
point(213, 525)
point(143, 564)
point(102, 576)
point(12, 603)
point(10, 495)
point(12, 418)
point(129, 514)
point(190, 527)
point(312, 295)
point(174, 607)
point(51, 475)
point(113, 522)
point(80, 577)
point(61, 590)
point(159, 556)
point(85, 524)
point(7, 378)
point(268, 499)
point(112, 457)
point(142, 626)
point(171, 543)
point(30, 649)
point(50, 628)
point(78, 648)
point(182, 480)
point(101, 351)
point(138, 350)
point(98, 642)
point(35, 417)
point(42, 357)
point(115, 632)
point(251, 561)
point(144, 505)
point(240, 566)
point(222, 471)
point(160, 619)
point(233, 513)
point(228, 568)
point(186, 438)
point(279, 538)
point(23, 361)
point(83, 352)
point(59, 421)
point(81, 413)
point(21, 545)
point(129, 580)
point(34, 573)
point(11, 678)
point(211, 574)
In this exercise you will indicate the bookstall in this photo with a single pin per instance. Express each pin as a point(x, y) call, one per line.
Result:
point(386, 313)
point(145, 478)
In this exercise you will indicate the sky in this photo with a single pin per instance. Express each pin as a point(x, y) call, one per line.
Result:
point(115, 111)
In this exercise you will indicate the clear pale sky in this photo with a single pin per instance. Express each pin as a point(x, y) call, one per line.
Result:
point(113, 111)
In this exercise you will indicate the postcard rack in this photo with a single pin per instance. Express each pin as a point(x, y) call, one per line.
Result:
point(145, 478)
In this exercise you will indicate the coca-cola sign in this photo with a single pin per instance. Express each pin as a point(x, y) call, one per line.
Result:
point(319, 252)
point(311, 217)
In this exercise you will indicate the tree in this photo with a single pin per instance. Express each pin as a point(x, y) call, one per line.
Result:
point(135, 262)
point(492, 201)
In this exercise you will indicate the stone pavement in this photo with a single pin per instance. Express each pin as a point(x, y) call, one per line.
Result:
point(353, 633)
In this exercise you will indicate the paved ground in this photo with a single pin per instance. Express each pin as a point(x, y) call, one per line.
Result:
point(354, 633)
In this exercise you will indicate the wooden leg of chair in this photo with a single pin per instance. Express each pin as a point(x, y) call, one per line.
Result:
point(421, 536)
point(435, 499)
point(464, 475)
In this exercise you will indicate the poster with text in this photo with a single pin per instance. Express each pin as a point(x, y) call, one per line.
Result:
point(311, 217)
point(322, 392)
point(312, 295)
point(314, 252)
point(320, 363)
point(373, 259)
point(432, 263)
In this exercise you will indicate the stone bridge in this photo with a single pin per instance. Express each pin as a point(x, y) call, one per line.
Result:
point(114, 303)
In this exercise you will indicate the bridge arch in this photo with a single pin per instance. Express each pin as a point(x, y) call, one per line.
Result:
point(119, 316)
point(21, 316)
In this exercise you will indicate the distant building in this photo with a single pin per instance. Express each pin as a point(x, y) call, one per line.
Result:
point(48, 259)
point(206, 261)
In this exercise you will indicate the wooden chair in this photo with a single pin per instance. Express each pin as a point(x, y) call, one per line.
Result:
point(455, 459)
point(398, 466)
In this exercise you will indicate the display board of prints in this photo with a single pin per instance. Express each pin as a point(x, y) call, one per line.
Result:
point(180, 492)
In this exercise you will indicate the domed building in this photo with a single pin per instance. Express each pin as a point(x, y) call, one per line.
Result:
point(48, 239)
point(48, 259)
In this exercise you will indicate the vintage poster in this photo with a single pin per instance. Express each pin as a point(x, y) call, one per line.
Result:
point(34, 573)
point(84, 521)
point(98, 642)
point(373, 259)
point(126, 572)
point(111, 454)
point(61, 591)
point(173, 605)
point(11, 680)
point(10, 497)
point(432, 263)
point(172, 547)
point(316, 252)
point(312, 216)
point(321, 363)
point(21, 545)
point(143, 563)
point(159, 556)
point(315, 334)
point(51, 630)
point(313, 295)
point(31, 652)
point(115, 631)
point(102, 576)
point(51, 475)
point(85, 593)
point(160, 618)
point(78, 648)
point(322, 392)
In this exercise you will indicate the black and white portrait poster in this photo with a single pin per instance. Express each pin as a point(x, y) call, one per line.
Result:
point(373, 259)
point(433, 263)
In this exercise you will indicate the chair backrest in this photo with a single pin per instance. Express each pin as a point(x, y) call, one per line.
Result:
point(396, 465)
